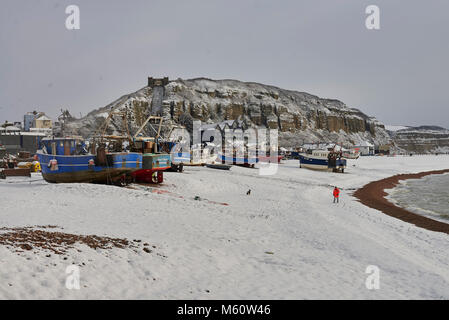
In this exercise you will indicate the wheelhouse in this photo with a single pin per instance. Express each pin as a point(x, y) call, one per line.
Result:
point(64, 146)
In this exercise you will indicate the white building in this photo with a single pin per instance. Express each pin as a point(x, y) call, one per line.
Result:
point(365, 148)
point(9, 130)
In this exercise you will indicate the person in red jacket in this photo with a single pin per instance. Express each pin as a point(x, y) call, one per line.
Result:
point(336, 194)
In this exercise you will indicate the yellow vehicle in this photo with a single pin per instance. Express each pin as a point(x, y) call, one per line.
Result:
point(34, 166)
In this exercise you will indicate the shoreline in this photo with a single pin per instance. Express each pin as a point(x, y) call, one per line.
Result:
point(373, 195)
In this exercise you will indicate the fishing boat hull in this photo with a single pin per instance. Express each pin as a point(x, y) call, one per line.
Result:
point(350, 156)
point(269, 159)
point(249, 161)
point(186, 159)
point(86, 169)
point(218, 166)
point(180, 157)
point(316, 163)
point(152, 167)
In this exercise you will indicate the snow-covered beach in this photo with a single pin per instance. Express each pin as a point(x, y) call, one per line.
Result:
point(286, 240)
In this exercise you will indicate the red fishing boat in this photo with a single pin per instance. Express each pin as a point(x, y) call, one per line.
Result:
point(154, 163)
point(270, 159)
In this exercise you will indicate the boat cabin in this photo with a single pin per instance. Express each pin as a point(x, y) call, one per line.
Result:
point(320, 153)
point(64, 146)
point(144, 145)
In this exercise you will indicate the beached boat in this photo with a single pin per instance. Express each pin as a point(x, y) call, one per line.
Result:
point(350, 154)
point(269, 159)
point(247, 160)
point(152, 168)
point(66, 160)
point(188, 159)
point(180, 158)
point(219, 166)
point(322, 160)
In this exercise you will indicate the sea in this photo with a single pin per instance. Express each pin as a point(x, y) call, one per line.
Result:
point(428, 196)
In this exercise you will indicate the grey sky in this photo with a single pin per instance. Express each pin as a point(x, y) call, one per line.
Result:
point(398, 74)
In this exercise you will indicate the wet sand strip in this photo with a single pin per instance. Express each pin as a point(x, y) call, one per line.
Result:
point(373, 195)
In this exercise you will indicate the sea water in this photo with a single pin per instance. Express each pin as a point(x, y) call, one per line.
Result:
point(428, 196)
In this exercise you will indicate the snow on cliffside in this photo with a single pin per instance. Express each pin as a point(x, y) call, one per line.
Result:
point(423, 139)
point(300, 117)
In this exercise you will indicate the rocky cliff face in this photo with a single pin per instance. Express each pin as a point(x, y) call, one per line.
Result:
point(300, 117)
point(424, 139)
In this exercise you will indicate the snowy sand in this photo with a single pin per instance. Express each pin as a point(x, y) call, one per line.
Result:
point(286, 240)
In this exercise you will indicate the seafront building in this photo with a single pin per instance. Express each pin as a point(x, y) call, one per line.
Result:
point(15, 137)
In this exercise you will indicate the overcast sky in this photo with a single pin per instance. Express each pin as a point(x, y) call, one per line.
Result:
point(398, 73)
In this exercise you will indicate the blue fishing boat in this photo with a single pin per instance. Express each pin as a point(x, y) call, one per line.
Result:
point(181, 157)
point(247, 160)
point(322, 160)
point(177, 157)
point(197, 156)
point(66, 160)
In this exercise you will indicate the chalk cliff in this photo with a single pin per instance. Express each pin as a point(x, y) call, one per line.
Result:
point(300, 117)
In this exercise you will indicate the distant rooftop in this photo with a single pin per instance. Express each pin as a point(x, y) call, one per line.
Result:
point(10, 128)
point(43, 117)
